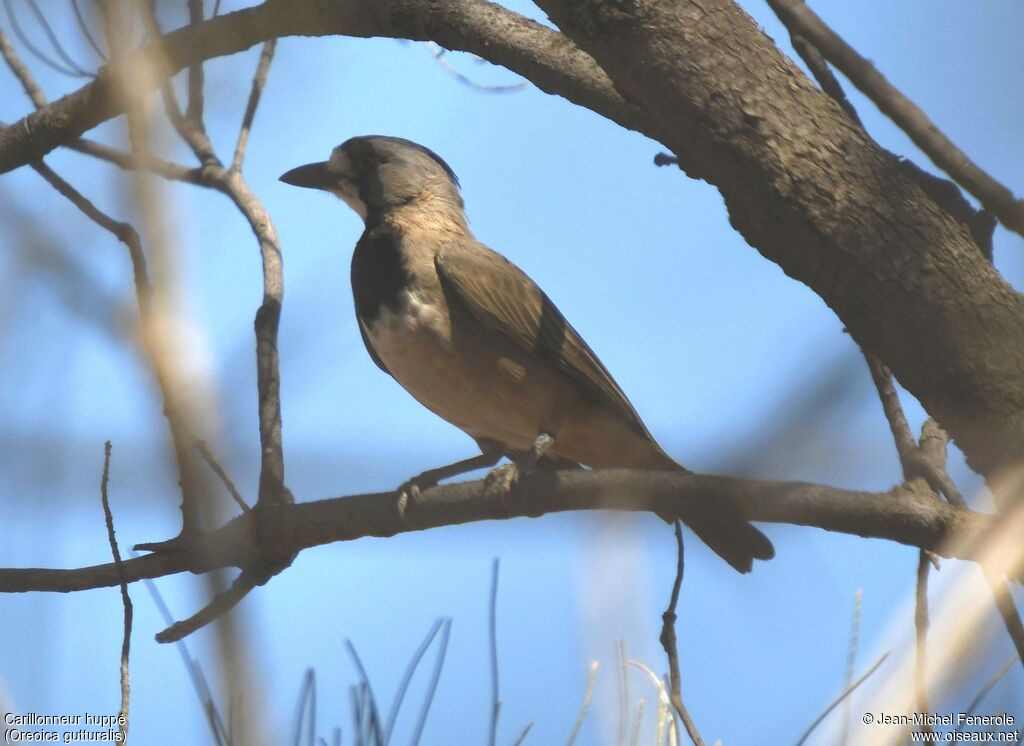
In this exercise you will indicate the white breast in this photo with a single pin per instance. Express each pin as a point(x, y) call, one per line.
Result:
point(410, 334)
point(414, 341)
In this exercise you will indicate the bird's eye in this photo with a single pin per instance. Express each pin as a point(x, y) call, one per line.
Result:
point(365, 162)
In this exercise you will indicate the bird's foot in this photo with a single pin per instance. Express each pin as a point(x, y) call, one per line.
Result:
point(499, 482)
point(409, 492)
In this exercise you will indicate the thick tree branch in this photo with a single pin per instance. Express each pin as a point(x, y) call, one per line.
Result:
point(996, 198)
point(810, 190)
point(908, 515)
point(543, 56)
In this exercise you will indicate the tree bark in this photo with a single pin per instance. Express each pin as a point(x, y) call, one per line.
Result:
point(809, 190)
point(909, 514)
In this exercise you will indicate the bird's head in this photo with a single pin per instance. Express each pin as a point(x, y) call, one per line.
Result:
point(376, 175)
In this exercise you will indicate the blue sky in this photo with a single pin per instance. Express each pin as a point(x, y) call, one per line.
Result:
point(735, 367)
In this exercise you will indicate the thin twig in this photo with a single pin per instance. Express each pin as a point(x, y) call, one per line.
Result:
point(435, 678)
point(819, 68)
point(55, 41)
point(851, 662)
point(995, 197)
point(662, 687)
point(403, 686)
point(668, 642)
point(306, 705)
point(188, 127)
point(987, 687)
point(438, 52)
point(259, 80)
point(142, 162)
point(492, 627)
point(588, 694)
point(921, 637)
point(522, 734)
point(126, 601)
point(211, 460)
point(194, 113)
point(930, 463)
point(373, 719)
point(21, 72)
point(1007, 610)
point(84, 26)
point(220, 605)
point(835, 703)
point(942, 192)
point(220, 733)
point(72, 70)
point(623, 671)
point(637, 723)
point(906, 446)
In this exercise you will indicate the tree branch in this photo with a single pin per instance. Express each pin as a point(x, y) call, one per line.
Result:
point(505, 38)
point(813, 193)
point(995, 197)
point(908, 515)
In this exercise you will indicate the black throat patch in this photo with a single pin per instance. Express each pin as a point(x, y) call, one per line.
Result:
point(379, 274)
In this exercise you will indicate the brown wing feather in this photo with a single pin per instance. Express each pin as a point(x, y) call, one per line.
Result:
point(502, 297)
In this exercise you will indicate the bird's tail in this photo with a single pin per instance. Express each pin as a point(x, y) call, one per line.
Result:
point(729, 536)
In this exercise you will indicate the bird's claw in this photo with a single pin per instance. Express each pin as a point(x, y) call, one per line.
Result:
point(409, 492)
point(499, 482)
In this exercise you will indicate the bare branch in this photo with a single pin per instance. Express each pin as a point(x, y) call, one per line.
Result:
point(921, 636)
point(194, 112)
point(668, 642)
point(86, 31)
point(996, 198)
point(142, 162)
point(21, 72)
point(69, 68)
point(438, 52)
point(820, 70)
point(126, 601)
point(708, 69)
point(211, 461)
point(911, 516)
point(906, 446)
point(538, 53)
point(220, 605)
point(258, 81)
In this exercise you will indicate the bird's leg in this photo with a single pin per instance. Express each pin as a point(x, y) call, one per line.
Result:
point(410, 490)
point(501, 480)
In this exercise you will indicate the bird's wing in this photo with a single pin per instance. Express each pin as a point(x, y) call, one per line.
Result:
point(502, 297)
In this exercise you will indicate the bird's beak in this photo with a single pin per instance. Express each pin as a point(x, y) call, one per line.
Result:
point(311, 176)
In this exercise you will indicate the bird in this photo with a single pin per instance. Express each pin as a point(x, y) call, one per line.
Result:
point(472, 338)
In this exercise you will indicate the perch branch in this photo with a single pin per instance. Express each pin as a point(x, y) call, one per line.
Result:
point(906, 514)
